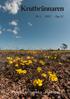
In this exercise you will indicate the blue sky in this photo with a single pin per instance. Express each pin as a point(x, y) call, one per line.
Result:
point(24, 30)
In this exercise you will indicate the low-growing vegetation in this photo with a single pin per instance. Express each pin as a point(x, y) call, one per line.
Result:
point(35, 73)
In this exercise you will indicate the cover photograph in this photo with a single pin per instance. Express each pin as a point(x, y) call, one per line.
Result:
point(34, 49)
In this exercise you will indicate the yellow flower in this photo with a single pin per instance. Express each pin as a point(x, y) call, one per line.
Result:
point(43, 75)
point(27, 63)
point(52, 76)
point(20, 71)
point(16, 65)
point(24, 71)
point(55, 57)
point(17, 58)
point(49, 72)
point(22, 63)
point(38, 82)
point(48, 57)
point(60, 63)
point(42, 62)
point(35, 82)
point(9, 58)
point(30, 61)
point(10, 62)
point(39, 69)
point(28, 57)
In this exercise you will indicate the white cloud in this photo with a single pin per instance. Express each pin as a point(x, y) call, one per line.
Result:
point(14, 31)
point(13, 23)
point(1, 31)
point(18, 37)
point(12, 6)
point(29, 23)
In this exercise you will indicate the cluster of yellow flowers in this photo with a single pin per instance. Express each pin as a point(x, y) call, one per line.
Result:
point(52, 76)
point(10, 60)
point(28, 61)
point(52, 57)
point(38, 82)
point(17, 61)
point(20, 71)
point(42, 62)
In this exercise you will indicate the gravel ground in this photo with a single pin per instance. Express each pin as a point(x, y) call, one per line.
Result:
point(18, 90)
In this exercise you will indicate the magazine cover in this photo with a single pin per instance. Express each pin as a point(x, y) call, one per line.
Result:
point(34, 49)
